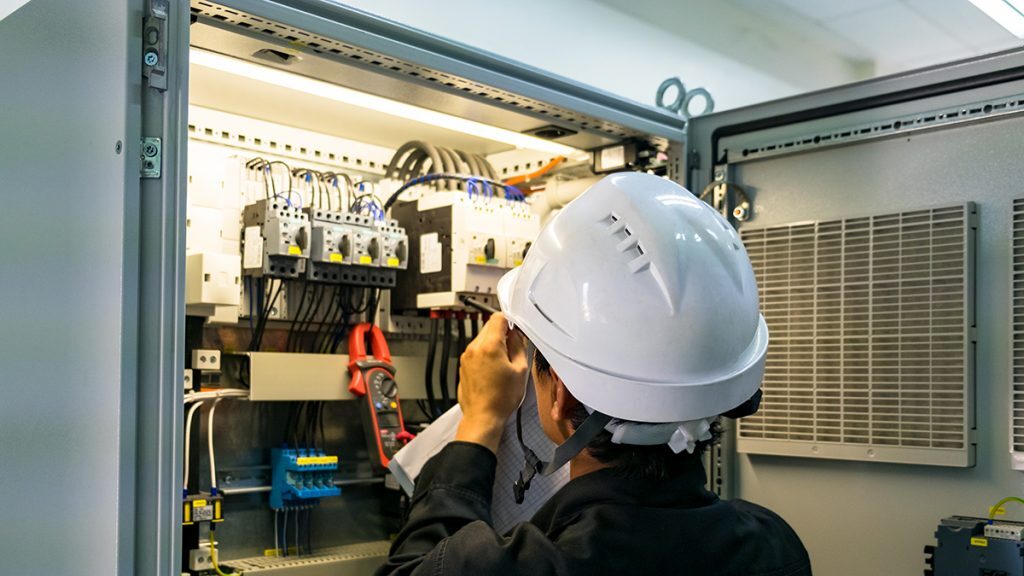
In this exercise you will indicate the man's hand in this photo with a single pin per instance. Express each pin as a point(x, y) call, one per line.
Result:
point(491, 382)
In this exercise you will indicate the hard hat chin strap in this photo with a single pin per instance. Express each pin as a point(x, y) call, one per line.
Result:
point(565, 451)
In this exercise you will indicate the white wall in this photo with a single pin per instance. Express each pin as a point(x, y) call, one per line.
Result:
point(605, 47)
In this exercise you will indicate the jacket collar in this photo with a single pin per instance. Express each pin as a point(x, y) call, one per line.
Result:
point(608, 486)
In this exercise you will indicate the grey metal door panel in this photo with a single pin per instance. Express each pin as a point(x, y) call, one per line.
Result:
point(68, 220)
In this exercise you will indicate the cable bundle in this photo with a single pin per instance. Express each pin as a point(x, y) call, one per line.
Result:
point(416, 158)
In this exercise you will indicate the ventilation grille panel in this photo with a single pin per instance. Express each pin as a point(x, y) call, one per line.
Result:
point(870, 324)
point(1017, 340)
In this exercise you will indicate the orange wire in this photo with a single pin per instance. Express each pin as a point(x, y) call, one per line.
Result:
point(540, 172)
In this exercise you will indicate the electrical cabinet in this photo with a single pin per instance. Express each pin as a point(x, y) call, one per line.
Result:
point(242, 172)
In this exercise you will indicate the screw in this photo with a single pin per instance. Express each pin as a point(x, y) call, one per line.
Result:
point(149, 149)
point(117, 147)
point(152, 58)
point(739, 213)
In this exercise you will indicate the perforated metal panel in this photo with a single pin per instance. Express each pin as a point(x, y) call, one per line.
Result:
point(1017, 341)
point(871, 338)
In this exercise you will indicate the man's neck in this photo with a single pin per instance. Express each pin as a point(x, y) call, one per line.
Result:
point(584, 464)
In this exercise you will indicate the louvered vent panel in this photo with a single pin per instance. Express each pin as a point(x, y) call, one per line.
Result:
point(1017, 278)
point(870, 353)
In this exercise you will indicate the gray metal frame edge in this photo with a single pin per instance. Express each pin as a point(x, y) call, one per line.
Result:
point(704, 131)
point(387, 37)
point(161, 307)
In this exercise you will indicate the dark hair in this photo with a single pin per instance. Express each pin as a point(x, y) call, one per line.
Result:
point(647, 462)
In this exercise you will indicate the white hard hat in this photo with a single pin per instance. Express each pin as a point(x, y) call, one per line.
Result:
point(643, 300)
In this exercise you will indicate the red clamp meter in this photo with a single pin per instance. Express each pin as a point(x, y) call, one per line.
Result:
point(373, 377)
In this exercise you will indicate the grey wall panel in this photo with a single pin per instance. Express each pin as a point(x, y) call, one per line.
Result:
point(873, 518)
point(67, 414)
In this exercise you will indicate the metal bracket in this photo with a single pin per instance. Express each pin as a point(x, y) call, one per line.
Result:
point(154, 45)
point(150, 157)
point(738, 206)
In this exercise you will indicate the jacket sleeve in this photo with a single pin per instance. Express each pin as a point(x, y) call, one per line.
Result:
point(449, 527)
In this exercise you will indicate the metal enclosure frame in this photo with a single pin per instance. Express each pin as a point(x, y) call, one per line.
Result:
point(957, 140)
point(334, 21)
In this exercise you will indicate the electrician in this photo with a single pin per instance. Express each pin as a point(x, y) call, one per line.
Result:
point(640, 313)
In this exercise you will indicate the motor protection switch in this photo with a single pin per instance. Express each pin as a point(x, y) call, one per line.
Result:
point(358, 236)
point(276, 239)
point(391, 246)
point(373, 378)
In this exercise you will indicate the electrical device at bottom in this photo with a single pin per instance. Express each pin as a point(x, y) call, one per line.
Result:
point(969, 546)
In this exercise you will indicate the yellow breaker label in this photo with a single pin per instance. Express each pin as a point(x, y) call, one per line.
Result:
point(295, 250)
point(364, 259)
point(335, 257)
point(309, 460)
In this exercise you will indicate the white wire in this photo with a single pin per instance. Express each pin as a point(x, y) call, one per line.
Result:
point(209, 437)
point(285, 524)
point(188, 438)
point(211, 394)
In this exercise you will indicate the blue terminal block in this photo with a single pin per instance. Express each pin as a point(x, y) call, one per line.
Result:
point(301, 477)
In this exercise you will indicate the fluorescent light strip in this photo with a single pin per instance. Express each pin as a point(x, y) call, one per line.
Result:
point(337, 93)
point(1008, 13)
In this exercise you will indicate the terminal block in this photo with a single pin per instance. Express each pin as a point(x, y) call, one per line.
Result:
point(199, 508)
point(276, 239)
point(301, 477)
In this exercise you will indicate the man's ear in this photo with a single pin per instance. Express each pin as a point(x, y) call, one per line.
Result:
point(564, 402)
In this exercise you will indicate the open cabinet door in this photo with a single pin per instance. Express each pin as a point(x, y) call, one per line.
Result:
point(89, 345)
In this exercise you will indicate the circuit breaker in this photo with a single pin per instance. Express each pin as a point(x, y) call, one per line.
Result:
point(460, 244)
point(276, 239)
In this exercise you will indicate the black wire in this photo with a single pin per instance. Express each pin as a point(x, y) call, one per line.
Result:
point(309, 530)
point(295, 317)
point(288, 430)
point(298, 424)
point(428, 376)
point(316, 302)
point(375, 304)
point(446, 351)
point(459, 349)
point(324, 331)
point(323, 437)
point(288, 172)
point(311, 424)
point(266, 314)
point(474, 325)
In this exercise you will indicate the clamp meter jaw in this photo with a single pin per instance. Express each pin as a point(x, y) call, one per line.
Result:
point(373, 378)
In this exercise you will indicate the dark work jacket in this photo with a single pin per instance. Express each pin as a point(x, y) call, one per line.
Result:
point(599, 523)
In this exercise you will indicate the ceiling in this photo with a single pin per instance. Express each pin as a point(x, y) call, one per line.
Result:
point(894, 35)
